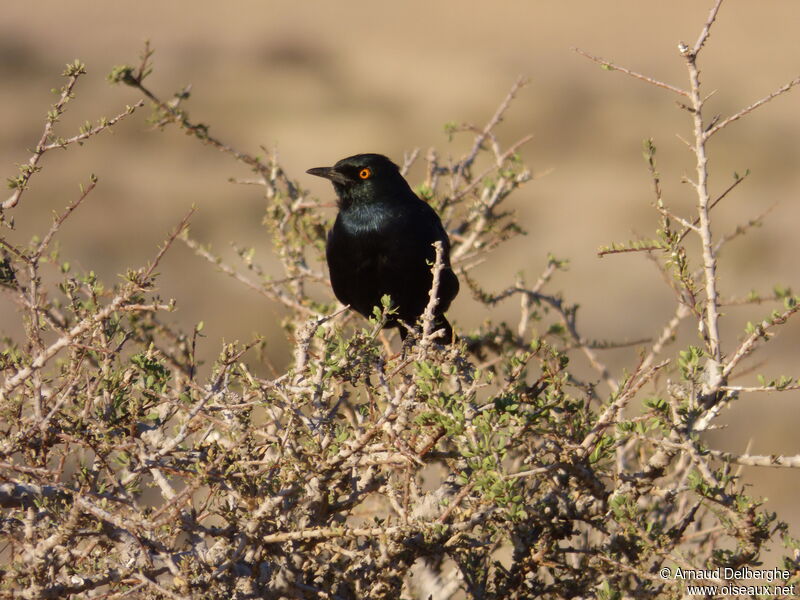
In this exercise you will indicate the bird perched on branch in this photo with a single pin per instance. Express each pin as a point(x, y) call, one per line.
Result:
point(382, 243)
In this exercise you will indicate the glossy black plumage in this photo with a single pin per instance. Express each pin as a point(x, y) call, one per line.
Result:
point(381, 242)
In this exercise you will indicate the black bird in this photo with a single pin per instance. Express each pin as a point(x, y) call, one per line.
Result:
point(382, 243)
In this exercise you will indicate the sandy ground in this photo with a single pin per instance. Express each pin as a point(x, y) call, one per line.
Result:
point(321, 80)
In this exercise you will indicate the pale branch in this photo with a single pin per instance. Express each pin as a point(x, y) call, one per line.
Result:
point(117, 304)
point(403, 394)
point(304, 336)
point(707, 418)
point(615, 67)
point(328, 533)
point(526, 300)
point(614, 249)
point(512, 149)
point(199, 130)
point(52, 118)
point(667, 334)
point(752, 107)
point(754, 460)
point(624, 394)
point(185, 430)
point(744, 389)
point(92, 131)
point(568, 315)
point(759, 331)
point(740, 230)
point(59, 220)
point(268, 289)
point(121, 302)
point(464, 164)
point(408, 159)
point(696, 222)
point(481, 218)
point(15, 495)
point(177, 231)
point(689, 226)
point(429, 315)
point(159, 588)
point(752, 298)
point(704, 200)
point(703, 37)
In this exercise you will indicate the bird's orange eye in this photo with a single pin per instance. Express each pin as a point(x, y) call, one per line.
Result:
point(365, 173)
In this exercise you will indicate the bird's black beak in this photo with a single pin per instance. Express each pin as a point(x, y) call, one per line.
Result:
point(328, 173)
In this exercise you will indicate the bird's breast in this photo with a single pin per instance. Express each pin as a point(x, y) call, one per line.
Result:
point(366, 220)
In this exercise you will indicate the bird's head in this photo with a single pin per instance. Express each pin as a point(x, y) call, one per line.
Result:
point(363, 179)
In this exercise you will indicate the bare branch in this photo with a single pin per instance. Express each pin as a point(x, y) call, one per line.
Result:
point(61, 218)
point(52, 119)
point(118, 303)
point(760, 331)
point(92, 131)
point(743, 389)
point(712, 16)
point(615, 67)
point(750, 460)
point(704, 201)
point(745, 111)
point(429, 315)
point(270, 290)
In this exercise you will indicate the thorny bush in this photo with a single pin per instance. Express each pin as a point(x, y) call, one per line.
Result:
point(487, 469)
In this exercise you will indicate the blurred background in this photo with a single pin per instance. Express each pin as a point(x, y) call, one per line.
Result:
point(320, 80)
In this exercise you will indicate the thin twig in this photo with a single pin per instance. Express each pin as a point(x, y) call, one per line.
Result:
point(31, 167)
point(92, 131)
point(58, 221)
point(752, 107)
point(743, 389)
point(751, 460)
point(760, 331)
point(718, 199)
point(703, 37)
point(615, 67)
